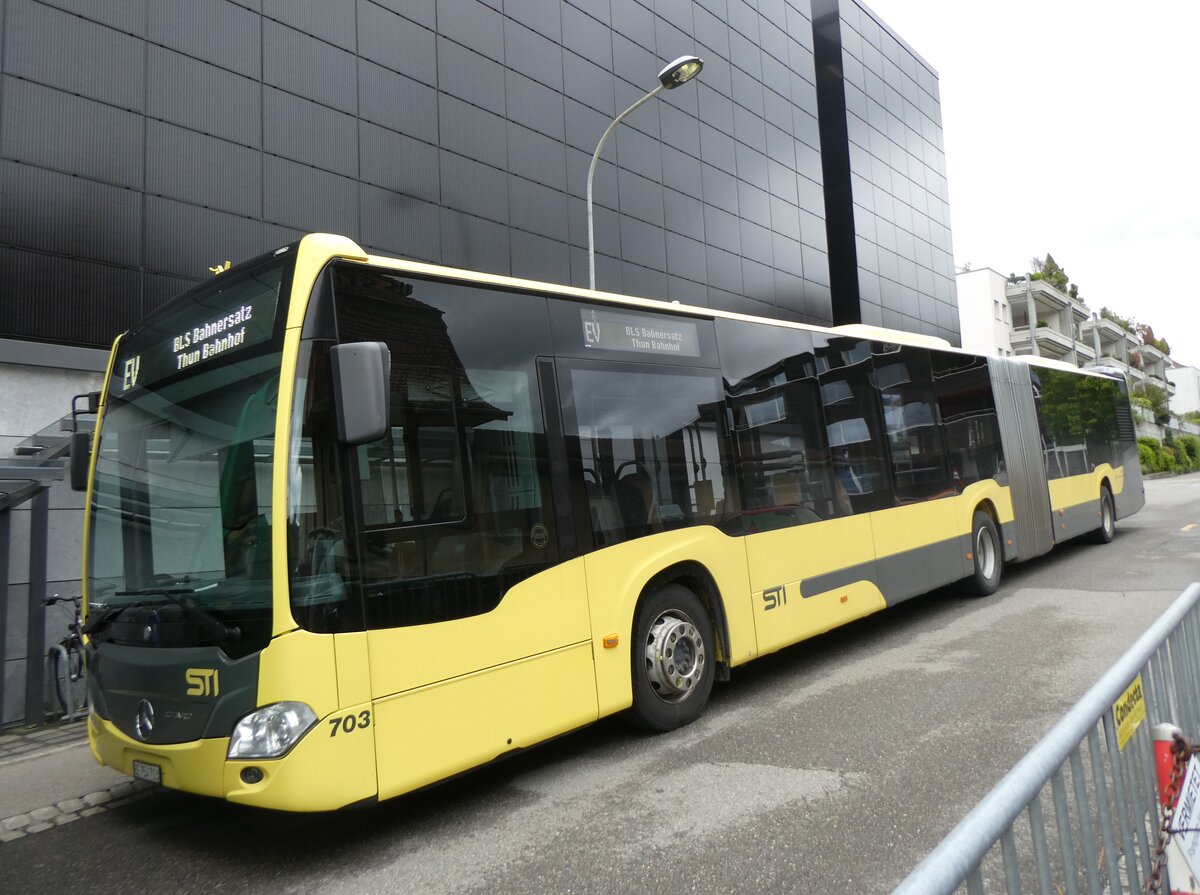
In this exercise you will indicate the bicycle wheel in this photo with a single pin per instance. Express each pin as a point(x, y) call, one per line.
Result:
point(78, 674)
point(60, 677)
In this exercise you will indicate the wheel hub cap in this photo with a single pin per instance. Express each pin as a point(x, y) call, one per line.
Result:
point(675, 657)
point(985, 550)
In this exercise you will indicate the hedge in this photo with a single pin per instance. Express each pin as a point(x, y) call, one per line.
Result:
point(1181, 454)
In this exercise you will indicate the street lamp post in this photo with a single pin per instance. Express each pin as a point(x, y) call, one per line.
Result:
point(678, 72)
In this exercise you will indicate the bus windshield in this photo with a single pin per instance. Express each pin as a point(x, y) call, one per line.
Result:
point(180, 535)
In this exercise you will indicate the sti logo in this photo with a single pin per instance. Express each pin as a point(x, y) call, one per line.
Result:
point(132, 366)
point(774, 597)
point(202, 682)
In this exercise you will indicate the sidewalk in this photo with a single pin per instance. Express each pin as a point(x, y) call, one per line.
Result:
point(48, 778)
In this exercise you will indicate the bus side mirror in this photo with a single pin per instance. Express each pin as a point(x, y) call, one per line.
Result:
point(361, 379)
point(81, 454)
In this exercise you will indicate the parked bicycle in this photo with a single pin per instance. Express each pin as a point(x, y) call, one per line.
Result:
point(65, 661)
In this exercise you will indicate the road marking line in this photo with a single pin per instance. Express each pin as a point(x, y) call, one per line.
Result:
point(1188, 527)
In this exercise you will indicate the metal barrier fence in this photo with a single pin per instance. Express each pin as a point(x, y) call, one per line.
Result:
point(1103, 835)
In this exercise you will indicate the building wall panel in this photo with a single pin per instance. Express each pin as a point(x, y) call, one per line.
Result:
point(157, 139)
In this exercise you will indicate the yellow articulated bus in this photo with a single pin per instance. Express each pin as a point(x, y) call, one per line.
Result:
point(356, 524)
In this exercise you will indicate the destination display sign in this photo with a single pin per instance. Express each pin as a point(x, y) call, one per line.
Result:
point(194, 333)
point(639, 333)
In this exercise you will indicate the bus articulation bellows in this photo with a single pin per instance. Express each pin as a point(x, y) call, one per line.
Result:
point(357, 524)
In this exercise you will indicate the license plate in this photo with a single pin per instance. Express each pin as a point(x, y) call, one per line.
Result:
point(151, 773)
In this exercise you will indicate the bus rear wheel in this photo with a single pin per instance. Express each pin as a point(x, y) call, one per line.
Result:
point(1108, 519)
point(673, 661)
point(987, 555)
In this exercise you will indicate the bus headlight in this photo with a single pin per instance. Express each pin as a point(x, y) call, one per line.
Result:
point(271, 731)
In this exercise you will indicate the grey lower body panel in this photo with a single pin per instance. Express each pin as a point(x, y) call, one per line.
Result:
point(1071, 522)
point(904, 575)
point(901, 575)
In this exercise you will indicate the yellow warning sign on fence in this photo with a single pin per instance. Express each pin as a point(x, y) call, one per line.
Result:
point(1129, 711)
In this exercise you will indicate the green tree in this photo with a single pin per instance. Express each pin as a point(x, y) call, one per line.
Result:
point(1049, 270)
point(1126, 323)
point(1157, 401)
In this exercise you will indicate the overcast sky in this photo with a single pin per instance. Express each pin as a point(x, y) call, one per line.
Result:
point(1074, 128)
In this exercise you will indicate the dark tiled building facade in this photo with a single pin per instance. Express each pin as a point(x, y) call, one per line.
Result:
point(885, 171)
point(142, 141)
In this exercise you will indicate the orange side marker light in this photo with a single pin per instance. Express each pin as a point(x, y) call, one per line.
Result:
point(845, 597)
point(611, 640)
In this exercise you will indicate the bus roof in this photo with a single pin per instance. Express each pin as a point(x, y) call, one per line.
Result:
point(347, 248)
point(1052, 364)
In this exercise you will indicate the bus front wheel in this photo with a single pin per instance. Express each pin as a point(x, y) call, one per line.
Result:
point(673, 659)
point(987, 555)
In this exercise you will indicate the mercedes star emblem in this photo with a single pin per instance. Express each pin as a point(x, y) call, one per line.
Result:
point(143, 722)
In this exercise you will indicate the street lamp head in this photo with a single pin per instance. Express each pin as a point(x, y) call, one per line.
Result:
point(680, 71)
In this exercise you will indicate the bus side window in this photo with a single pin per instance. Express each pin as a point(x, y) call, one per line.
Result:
point(968, 411)
point(854, 422)
point(911, 421)
point(650, 448)
point(1058, 410)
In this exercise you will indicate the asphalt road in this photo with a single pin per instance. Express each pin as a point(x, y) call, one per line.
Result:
point(832, 766)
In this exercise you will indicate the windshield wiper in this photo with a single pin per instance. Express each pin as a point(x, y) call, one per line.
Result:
point(220, 631)
point(98, 620)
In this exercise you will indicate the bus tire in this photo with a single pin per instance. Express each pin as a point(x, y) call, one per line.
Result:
point(987, 555)
point(1108, 519)
point(673, 660)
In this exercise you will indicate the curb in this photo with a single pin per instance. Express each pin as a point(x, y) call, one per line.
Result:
point(41, 819)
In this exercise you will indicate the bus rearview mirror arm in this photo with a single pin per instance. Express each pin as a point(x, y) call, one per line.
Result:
point(81, 442)
point(361, 379)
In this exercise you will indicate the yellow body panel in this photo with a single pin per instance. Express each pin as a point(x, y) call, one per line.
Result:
point(798, 618)
point(431, 733)
point(537, 615)
point(616, 576)
point(781, 558)
point(300, 667)
point(456, 694)
point(902, 529)
point(973, 495)
point(1076, 489)
point(353, 668)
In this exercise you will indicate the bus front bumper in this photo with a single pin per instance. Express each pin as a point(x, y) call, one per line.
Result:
point(302, 780)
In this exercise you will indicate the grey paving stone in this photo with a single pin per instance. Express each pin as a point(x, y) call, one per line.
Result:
point(44, 814)
point(38, 828)
point(16, 822)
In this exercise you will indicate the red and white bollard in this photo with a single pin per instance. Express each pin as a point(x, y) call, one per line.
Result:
point(1179, 875)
